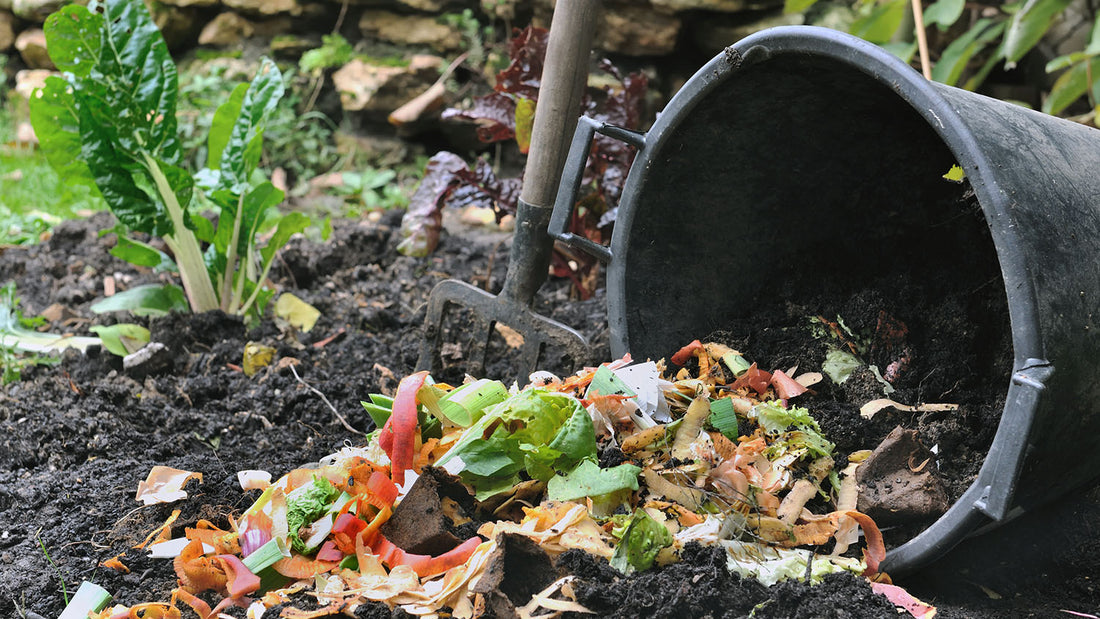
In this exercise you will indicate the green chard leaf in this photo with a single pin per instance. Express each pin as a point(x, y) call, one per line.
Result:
point(142, 254)
point(123, 87)
point(54, 118)
point(221, 126)
point(241, 153)
point(145, 300)
point(1027, 27)
point(123, 338)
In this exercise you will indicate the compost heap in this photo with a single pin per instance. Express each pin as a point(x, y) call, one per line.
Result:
point(623, 462)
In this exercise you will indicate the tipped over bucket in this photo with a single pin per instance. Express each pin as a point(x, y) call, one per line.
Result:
point(792, 150)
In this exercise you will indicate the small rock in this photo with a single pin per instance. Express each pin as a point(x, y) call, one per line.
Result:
point(383, 89)
point(227, 29)
point(35, 10)
point(427, 6)
point(178, 25)
point(188, 3)
point(31, 45)
point(898, 482)
point(291, 47)
point(410, 30)
point(265, 7)
point(7, 31)
point(29, 80)
point(153, 358)
point(638, 31)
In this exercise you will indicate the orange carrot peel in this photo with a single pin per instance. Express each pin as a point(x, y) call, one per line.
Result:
point(398, 437)
point(425, 566)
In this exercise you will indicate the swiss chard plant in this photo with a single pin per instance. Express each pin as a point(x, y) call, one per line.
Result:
point(110, 122)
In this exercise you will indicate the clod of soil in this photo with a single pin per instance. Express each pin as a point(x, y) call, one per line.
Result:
point(897, 484)
point(428, 519)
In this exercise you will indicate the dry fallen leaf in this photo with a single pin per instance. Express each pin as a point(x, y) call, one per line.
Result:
point(298, 313)
point(513, 338)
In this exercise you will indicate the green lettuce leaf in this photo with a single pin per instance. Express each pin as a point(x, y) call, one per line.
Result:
point(306, 504)
point(643, 539)
point(536, 431)
point(587, 479)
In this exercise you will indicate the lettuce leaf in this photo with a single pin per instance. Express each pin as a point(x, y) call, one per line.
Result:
point(799, 428)
point(537, 432)
point(587, 479)
point(643, 538)
point(304, 506)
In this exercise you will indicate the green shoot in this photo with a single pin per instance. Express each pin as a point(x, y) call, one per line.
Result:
point(60, 576)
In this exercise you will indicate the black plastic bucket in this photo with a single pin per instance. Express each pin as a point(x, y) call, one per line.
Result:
point(791, 149)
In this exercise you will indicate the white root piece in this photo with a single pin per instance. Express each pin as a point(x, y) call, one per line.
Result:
point(871, 408)
point(804, 490)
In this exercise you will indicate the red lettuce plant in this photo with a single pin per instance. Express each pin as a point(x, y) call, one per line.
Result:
point(506, 114)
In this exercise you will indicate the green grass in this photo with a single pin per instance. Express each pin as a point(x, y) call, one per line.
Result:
point(33, 198)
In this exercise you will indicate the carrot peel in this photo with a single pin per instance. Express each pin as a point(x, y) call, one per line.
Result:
point(239, 579)
point(681, 357)
point(399, 433)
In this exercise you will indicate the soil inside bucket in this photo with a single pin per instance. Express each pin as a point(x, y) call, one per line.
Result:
point(76, 439)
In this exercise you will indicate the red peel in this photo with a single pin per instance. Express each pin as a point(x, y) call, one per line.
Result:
point(786, 386)
point(239, 579)
point(687, 352)
point(753, 378)
point(398, 437)
point(876, 548)
point(296, 566)
point(381, 492)
point(903, 599)
point(425, 566)
point(331, 551)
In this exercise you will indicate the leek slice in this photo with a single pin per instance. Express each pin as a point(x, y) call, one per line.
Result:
point(467, 403)
point(723, 417)
point(265, 555)
point(89, 598)
point(378, 414)
point(736, 363)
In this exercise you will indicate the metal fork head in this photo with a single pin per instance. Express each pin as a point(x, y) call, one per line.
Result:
point(540, 334)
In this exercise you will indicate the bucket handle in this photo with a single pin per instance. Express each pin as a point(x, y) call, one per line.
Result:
point(572, 175)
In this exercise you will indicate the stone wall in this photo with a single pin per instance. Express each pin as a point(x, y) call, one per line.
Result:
point(668, 39)
point(650, 30)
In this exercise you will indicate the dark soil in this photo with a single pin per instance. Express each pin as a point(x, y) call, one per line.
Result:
point(77, 438)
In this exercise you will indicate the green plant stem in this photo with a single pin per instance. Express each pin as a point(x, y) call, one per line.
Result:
point(184, 246)
point(257, 289)
point(60, 576)
point(228, 298)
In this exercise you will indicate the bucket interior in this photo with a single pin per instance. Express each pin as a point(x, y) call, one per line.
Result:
point(796, 177)
point(801, 185)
